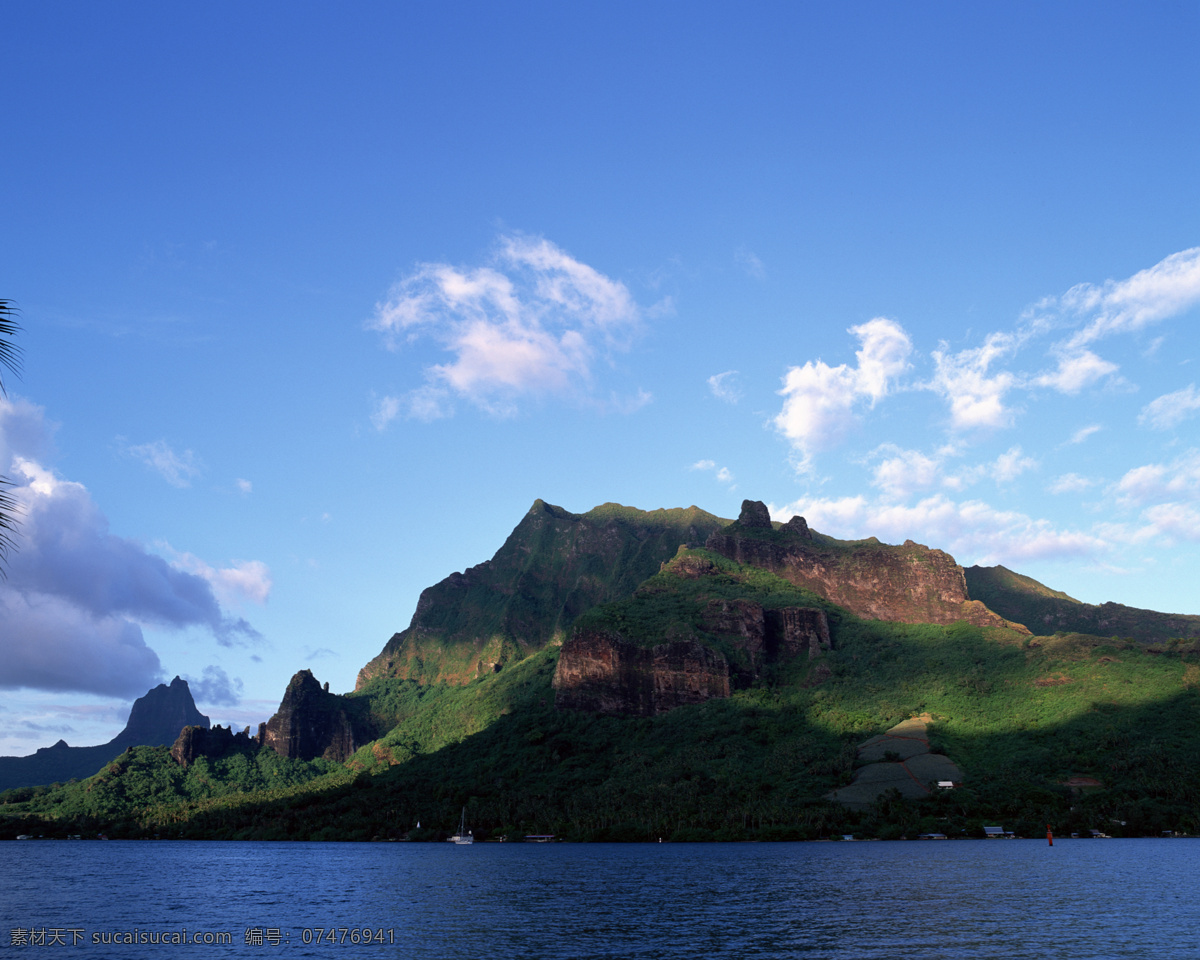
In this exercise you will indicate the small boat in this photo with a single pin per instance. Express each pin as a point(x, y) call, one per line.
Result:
point(464, 835)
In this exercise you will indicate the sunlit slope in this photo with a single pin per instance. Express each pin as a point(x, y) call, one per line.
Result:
point(1021, 716)
point(553, 567)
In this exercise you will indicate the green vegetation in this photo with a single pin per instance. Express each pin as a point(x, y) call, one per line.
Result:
point(1020, 715)
point(553, 567)
point(1023, 600)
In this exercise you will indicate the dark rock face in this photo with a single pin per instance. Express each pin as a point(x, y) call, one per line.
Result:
point(311, 722)
point(157, 718)
point(195, 742)
point(603, 673)
point(909, 583)
point(154, 721)
point(754, 515)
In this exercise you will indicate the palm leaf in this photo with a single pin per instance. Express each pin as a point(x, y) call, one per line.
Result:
point(10, 353)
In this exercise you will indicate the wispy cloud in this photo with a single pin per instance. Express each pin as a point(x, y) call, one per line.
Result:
point(1171, 409)
point(531, 322)
point(748, 261)
point(1164, 290)
point(1084, 432)
point(1070, 483)
point(178, 469)
point(724, 386)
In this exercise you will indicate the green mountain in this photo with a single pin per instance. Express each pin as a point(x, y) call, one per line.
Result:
point(1042, 610)
point(714, 698)
point(553, 567)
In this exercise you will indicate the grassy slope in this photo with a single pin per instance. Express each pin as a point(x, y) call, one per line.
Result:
point(553, 566)
point(1023, 600)
point(1019, 715)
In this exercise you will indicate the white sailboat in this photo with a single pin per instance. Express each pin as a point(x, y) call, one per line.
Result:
point(464, 835)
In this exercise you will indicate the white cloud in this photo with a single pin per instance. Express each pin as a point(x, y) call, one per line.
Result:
point(1076, 371)
point(723, 474)
point(976, 398)
point(243, 580)
point(530, 324)
point(1171, 409)
point(971, 530)
point(245, 486)
point(905, 472)
point(1010, 465)
point(1157, 482)
point(386, 410)
point(1171, 522)
point(1084, 432)
point(1164, 290)
point(177, 469)
point(1070, 483)
point(819, 402)
point(724, 386)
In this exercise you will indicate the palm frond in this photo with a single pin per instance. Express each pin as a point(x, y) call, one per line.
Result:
point(9, 507)
point(10, 353)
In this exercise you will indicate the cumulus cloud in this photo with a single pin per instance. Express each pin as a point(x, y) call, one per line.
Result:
point(1171, 409)
point(724, 386)
point(976, 395)
point(244, 486)
point(973, 531)
point(530, 323)
point(77, 596)
point(216, 688)
point(820, 400)
point(178, 469)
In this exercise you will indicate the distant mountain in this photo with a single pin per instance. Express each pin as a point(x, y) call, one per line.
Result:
point(1045, 611)
point(553, 567)
point(155, 720)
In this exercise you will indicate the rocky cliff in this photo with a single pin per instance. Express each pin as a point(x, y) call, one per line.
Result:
point(154, 720)
point(601, 672)
point(312, 722)
point(212, 742)
point(553, 567)
point(910, 583)
point(691, 633)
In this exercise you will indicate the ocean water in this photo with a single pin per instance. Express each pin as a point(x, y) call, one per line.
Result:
point(1011, 899)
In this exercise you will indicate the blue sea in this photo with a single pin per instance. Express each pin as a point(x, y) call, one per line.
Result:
point(1010, 899)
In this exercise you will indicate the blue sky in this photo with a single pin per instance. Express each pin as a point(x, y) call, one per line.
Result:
point(316, 303)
